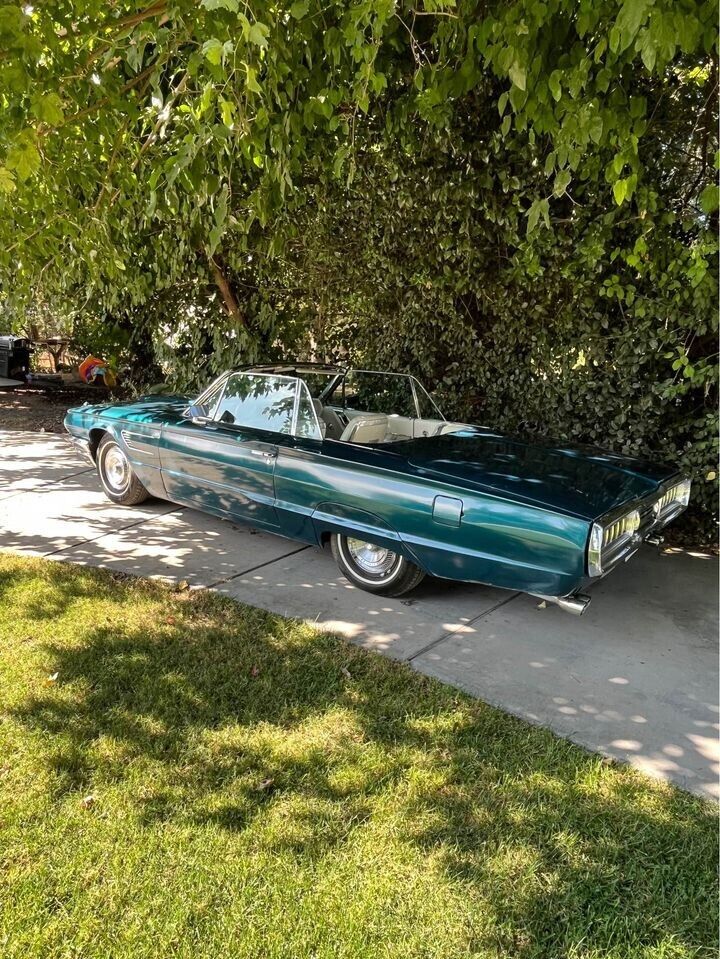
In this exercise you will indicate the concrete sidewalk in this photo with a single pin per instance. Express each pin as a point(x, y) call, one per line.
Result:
point(636, 678)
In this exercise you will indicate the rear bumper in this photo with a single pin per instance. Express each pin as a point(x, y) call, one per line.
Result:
point(652, 520)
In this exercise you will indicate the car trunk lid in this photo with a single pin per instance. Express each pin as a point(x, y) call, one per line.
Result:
point(577, 480)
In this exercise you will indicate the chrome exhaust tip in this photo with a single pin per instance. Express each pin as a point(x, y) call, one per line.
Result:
point(574, 604)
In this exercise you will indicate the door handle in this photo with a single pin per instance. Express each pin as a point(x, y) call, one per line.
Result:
point(266, 454)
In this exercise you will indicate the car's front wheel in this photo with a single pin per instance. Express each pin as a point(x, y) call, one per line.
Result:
point(374, 568)
point(117, 476)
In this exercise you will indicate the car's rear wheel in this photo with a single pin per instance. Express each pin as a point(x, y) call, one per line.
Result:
point(117, 476)
point(374, 568)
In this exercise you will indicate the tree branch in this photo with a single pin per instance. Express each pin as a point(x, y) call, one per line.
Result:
point(231, 304)
point(143, 75)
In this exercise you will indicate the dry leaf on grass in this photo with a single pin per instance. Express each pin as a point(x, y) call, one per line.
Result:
point(255, 671)
point(88, 802)
point(265, 785)
point(52, 678)
point(346, 672)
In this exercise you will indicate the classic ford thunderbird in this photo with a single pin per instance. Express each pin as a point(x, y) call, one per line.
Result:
point(366, 462)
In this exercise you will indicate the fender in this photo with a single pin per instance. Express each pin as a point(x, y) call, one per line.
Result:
point(140, 445)
point(350, 521)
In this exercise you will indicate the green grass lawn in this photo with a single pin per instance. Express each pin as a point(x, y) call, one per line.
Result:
point(263, 790)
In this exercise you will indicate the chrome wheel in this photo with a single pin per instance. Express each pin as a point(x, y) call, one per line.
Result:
point(374, 568)
point(371, 565)
point(376, 561)
point(116, 469)
point(117, 475)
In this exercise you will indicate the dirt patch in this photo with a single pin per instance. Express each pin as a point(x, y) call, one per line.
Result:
point(38, 411)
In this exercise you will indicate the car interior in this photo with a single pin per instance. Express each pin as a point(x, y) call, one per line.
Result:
point(357, 426)
point(354, 409)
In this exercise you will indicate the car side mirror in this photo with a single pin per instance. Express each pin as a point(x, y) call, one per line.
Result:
point(197, 413)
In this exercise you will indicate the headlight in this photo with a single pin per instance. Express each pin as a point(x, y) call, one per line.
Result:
point(683, 492)
point(595, 550)
point(604, 539)
point(680, 494)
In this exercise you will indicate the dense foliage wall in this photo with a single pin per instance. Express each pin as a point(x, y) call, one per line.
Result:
point(518, 201)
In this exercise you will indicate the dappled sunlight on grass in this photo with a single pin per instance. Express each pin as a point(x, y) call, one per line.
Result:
point(260, 789)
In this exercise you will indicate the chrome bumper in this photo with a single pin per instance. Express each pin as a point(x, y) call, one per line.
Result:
point(651, 523)
point(83, 447)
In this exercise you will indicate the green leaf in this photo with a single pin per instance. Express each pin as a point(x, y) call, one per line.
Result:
point(227, 109)
point(595, 129)
point(554, 85)
point(562, 181)
point(518, 75)
point(7, 180)
point(48, 108)
point(252, 82)
point(638, 106)
point(258, 34)
point(648, 53)
point(244, 25)
point(213, 51)
point(24, 159)
point(632, 13)
point(232, 5)
point(339, 161)
point(620, 190)
point(221, 208)
point(299, 9)
point(539, 208)
point(709, 198)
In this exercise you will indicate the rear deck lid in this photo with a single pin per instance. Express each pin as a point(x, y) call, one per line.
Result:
point(576, 480)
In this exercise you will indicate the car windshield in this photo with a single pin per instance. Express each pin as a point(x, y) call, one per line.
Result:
point(261, 402)
point(277, 404)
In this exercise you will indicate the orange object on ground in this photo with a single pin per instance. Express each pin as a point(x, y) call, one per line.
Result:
point(92, 367)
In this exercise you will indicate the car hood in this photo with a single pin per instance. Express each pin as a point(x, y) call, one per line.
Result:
point(147, 409)
point(581, 481)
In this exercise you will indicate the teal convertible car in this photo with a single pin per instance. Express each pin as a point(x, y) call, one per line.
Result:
point(366, 462)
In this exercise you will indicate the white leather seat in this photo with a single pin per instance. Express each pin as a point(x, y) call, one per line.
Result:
point(366, 428)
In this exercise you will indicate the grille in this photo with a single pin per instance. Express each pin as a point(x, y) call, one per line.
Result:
point(668, 497)
point(626, 524)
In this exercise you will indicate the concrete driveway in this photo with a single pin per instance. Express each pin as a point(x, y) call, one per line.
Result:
point(636, 678)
